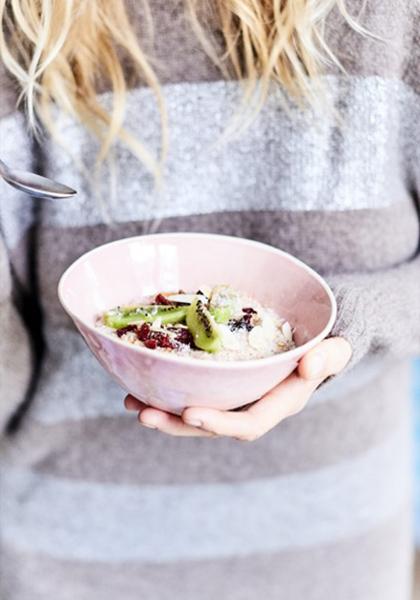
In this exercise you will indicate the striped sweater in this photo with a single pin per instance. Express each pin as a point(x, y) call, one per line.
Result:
point(94, 508)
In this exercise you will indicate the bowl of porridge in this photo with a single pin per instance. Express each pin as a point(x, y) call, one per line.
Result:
point(191, 319)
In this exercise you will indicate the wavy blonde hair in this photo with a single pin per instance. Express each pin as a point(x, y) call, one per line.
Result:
point(58, 51)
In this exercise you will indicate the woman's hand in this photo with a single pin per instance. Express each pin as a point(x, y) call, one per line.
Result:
point(285, 400)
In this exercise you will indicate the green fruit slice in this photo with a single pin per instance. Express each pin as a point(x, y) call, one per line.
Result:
point(221, 314)
point(203, 327)
point(223, 303)
point(131, 315)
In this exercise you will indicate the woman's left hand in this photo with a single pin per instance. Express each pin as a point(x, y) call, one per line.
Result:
point(285, 400)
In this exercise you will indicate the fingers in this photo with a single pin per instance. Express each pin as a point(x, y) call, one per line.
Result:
point(133, 404)
point(168, 423)
point(165, 422)
point(285, 400)
point(233, 424)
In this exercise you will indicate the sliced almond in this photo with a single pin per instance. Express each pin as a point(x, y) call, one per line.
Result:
point(157, 324)
point(230, 341)
point(183, 298)
point(257, 338)
point(269, 327)
point(287, 330)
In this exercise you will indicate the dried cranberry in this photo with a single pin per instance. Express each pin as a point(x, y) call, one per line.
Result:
point(161, 299)
point(249, 311)
point(185, 337)
point(151, 343)
point(123, 330)
point(182, 336)
point(161, 339)
point(143, 332)
point(166, 342)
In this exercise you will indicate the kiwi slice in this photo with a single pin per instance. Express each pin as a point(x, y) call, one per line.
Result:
point(221, 314)
point(223, 301)
point(203, 327)
point(130, 315)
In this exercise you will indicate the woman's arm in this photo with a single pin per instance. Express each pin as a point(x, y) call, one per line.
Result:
point(16, 212)
point(15, 355)
point(379, 313)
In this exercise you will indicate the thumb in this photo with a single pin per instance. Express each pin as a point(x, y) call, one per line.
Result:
point(326, 359)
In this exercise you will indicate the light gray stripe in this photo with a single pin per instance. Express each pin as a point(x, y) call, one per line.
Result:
point(281, 162)
point(374, 566)
point(15, 207)
point(88, 521)
point(94, 393)
point(70, 361)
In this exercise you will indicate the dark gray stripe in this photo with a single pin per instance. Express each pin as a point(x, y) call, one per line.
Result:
point(343, 241)
point(121, 451)
point(372, 566)
point(165, 523)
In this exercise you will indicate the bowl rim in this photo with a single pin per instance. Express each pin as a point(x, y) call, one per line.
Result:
point(294, 354)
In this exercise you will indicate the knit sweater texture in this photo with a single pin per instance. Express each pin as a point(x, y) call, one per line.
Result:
point(93, 507)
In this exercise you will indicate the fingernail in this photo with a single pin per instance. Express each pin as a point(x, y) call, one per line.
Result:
point(149, 425)
point(317, 365)
point(194, 422)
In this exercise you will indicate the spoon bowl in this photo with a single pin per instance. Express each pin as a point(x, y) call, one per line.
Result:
point(35, 185)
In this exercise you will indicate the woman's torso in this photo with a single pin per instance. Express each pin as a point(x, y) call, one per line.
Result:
point(338, 199)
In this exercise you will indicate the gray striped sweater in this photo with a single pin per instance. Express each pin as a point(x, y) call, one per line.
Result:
point(92, 507)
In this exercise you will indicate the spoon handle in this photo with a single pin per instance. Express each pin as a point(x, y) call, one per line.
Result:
point(3, 168)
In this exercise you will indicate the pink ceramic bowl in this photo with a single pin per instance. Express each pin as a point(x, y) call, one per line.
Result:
point(126, 270)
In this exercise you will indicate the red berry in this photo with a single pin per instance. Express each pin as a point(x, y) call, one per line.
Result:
point(249, 311)
point(163, 340)
point(161, 299)
point(185, 337)
point(143, 332)
point(123, 330)
point(152, 344)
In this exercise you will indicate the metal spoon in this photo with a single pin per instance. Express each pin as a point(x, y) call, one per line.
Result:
point(35, 185)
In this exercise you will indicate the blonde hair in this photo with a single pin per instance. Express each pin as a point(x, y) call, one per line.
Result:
point(59, 50)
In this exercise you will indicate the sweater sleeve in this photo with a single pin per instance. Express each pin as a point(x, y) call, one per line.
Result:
point(15, 286)
point(15, 355)
point(379, 313)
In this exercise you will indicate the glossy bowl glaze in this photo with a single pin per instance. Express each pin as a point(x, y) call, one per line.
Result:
point(126, 270)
